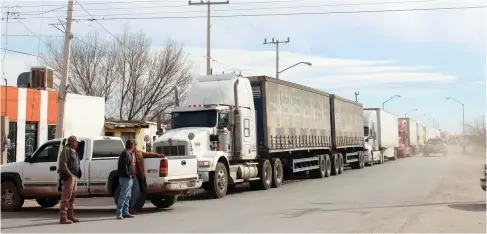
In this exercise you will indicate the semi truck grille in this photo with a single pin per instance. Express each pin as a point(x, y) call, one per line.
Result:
point(175, 150)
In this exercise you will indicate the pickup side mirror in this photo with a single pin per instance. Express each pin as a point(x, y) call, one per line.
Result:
point(28, 158)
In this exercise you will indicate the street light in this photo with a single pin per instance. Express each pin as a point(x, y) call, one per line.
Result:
point(307, 63)
point(463, 121)
point(417, 117)
point(406, 115)
point(389, 100)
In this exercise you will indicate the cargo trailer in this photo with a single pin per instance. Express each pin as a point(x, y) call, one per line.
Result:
point(408, 137)
point(259, 129)
point(380, 135)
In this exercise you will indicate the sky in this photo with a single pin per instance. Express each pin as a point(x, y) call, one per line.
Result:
point(353, 45)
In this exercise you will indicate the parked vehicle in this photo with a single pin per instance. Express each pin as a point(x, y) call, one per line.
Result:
point(421, 137)
point(435, 146)
point(259, 129)
point(408, 137)
point(37, 177)
point(482, 179)
point(380, 135)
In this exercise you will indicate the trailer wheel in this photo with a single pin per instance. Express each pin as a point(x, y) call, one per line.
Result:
point(335, 165)
point(320, 172)
point(341, 163)
point(265, 174)
point(277, 173)
point(328, 165)
point(218, 184)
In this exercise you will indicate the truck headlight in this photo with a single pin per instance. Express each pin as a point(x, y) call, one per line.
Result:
point(204, 163)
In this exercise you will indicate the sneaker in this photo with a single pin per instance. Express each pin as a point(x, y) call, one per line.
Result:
point(119, 217)
point(74, 220)
point(128, 215)
point(65, 221)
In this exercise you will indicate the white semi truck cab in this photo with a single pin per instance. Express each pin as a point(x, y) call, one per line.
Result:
point(257, 129)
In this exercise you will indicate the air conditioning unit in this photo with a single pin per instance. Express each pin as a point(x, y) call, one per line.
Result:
point(42, 78)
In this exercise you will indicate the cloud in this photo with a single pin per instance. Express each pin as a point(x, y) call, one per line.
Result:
point(325, 73)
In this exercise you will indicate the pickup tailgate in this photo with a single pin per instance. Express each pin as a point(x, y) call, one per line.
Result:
point(178, 168)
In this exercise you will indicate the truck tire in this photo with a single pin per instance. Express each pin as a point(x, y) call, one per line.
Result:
point(328, 165)
point(335, 165)
point(371, 162)
point(139, 204)
point(361, 158)
point(321, 171)
point(47, 202)
point(164, 202)
point(341, 163)
point(277, 172)
point(12, 199)
point(265, 174)
point(218, 184)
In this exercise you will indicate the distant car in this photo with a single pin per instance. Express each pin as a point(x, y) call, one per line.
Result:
point(435, 146)
point(482, 179)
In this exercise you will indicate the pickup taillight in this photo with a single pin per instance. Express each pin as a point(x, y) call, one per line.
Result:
point(163, 168)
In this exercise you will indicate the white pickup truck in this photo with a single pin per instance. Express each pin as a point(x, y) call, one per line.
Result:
point(37, 177)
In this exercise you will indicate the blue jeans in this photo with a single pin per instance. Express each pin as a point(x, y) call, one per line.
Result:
point(124, 198)
point(135, 192)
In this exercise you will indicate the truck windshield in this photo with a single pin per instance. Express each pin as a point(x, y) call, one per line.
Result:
point(205, 118)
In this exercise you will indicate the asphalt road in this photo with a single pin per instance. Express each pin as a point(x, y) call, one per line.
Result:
point(417, 194)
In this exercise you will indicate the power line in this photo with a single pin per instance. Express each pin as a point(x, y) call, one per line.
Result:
point(290, 14)
point(148, 1)
point(252, 9)
point(20, 52)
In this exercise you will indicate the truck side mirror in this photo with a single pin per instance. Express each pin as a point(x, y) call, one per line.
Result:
point(213, 137)
point(231, 118)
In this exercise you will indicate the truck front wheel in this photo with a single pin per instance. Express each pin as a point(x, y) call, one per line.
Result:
point(218, 184)
point(47, 202)
point(164, 202)
point(12, 200)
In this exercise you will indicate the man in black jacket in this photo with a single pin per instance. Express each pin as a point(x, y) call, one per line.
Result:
point(126, 172)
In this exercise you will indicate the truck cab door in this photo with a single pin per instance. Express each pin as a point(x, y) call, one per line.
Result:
point(39, 173)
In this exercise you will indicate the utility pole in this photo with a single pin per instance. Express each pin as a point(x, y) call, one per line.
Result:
point(276, 42)
point(64, 72)
point(208, 30)
point(356, 96)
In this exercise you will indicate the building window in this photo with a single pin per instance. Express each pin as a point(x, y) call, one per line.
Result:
point(51, 132)
point(12, 146)
point(30, 137)
point(109, 134)
point(127, 136)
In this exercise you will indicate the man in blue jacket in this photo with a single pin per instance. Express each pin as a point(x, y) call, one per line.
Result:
point(126, 172)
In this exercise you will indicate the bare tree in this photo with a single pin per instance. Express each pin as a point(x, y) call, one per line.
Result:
point(147, 78)
point(127, 70)
point(476, 127)
point(92, 65)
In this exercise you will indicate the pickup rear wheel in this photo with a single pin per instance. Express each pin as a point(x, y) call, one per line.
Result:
point(12, 200)
point(139, 204)
point(47, 202)
point(218, 184)
point(164, 202)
